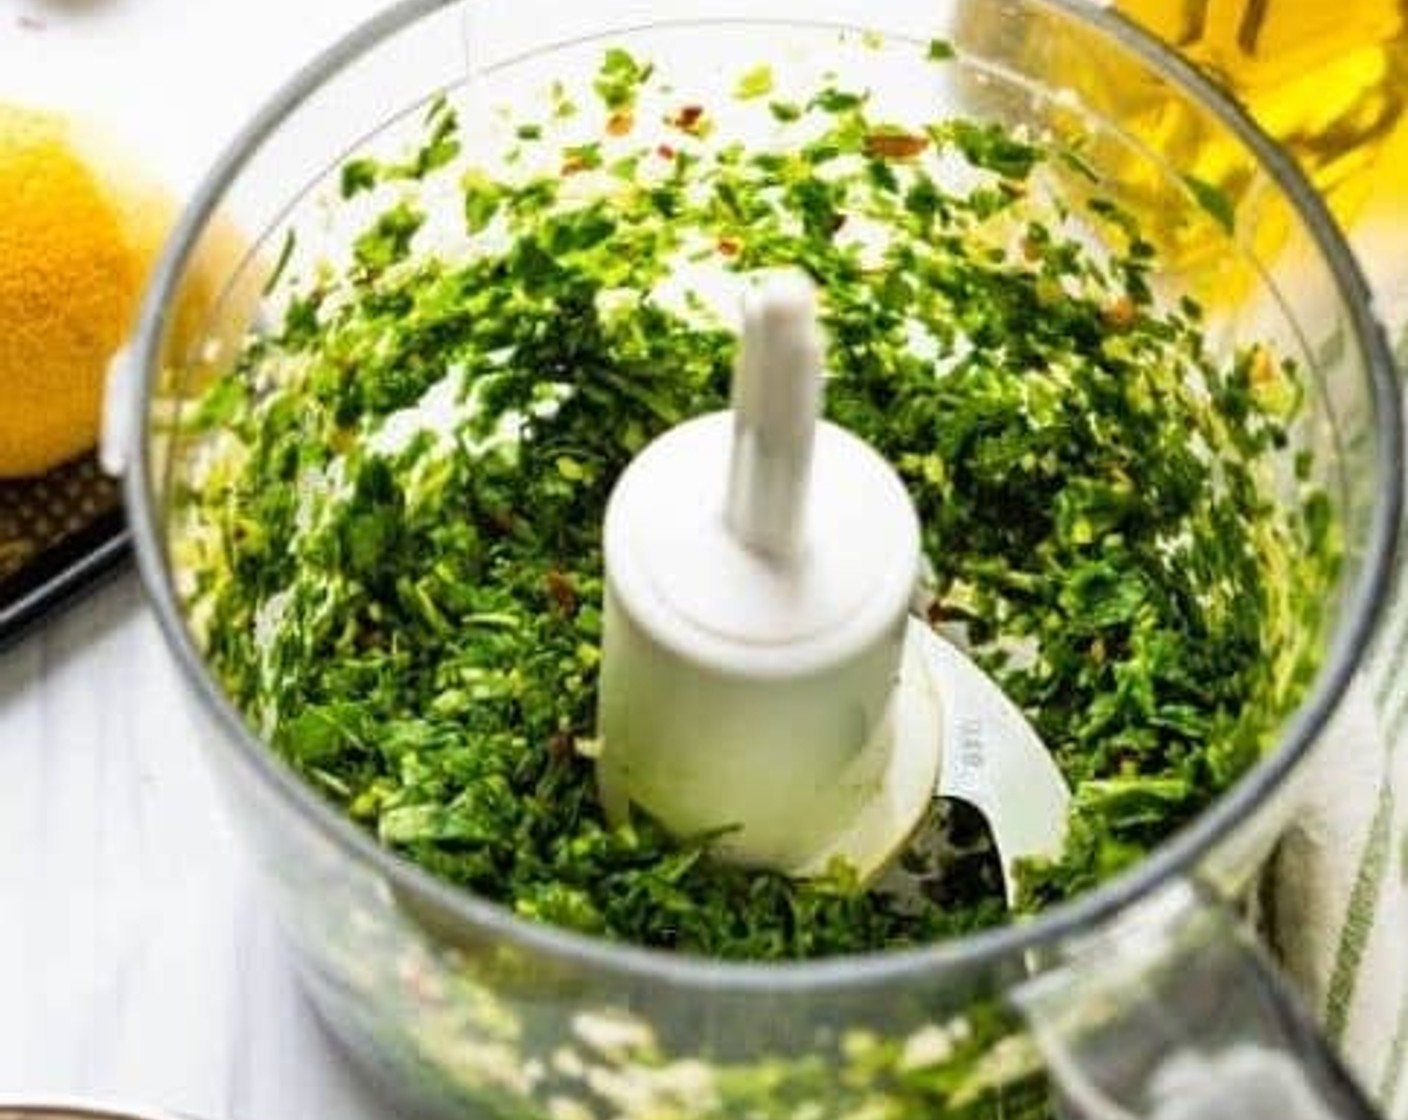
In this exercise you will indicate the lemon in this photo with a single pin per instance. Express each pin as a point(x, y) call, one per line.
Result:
point(80, 230)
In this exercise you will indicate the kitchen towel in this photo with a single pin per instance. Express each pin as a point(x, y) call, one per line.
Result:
point(1337, 904)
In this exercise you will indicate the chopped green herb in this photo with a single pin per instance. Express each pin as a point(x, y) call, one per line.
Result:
point(1077, 163)
point(993, 148)
point(401, 577)
point(359, 175)
point(581, 157)
point(290, 242)
point(1213, 200)
point(482, 199)
point(619, 80)
point(440, 148)
point(389, 239)
point(758, 82)
point(834, 100)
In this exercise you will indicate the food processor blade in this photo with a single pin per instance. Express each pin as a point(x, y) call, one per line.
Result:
point(993, 759)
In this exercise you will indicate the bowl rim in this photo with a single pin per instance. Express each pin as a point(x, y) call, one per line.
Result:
point(81, 1108)
point(1351, 636)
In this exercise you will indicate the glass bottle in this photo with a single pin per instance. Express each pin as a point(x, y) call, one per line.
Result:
point(1329, 81)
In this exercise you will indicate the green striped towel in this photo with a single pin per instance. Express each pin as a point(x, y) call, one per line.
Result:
point(1338, 897)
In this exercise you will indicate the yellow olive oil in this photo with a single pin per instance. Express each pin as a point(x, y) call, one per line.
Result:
point(1329, 80)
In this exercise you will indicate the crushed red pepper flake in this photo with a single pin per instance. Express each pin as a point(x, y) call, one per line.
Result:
point(1263, 369)
point(561, 590)
point(562, 746)
point(689, 119)
point(503, 521)
point(895, 145)
point(1120, 313)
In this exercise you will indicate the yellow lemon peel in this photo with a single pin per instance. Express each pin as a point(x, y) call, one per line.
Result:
point(82, 228)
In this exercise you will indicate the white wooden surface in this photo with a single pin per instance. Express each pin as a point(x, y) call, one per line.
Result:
point(136, 963)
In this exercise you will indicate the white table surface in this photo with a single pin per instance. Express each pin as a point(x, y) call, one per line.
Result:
point(136, 962)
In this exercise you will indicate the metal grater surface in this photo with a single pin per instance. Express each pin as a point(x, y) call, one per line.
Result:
point(58, 533)
point(37, 514)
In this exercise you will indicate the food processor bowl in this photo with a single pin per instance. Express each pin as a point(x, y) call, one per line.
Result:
point(456, 1003)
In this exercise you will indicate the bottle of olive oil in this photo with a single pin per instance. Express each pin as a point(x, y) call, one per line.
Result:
point(1326, 78)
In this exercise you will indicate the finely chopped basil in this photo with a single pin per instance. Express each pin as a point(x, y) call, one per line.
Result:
point(393, 550)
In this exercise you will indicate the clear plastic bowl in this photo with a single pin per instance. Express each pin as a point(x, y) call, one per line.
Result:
point(453, 1001)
